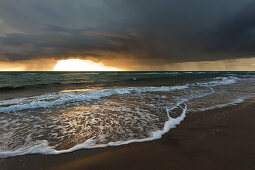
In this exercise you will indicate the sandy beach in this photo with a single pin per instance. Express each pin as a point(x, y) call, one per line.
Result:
point(216, 139)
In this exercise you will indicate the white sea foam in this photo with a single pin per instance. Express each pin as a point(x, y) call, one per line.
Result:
point(44, 148)
point(55, 99)
point(219, 81)
point(233, 102)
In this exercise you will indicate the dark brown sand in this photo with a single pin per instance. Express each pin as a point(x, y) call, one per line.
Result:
point(216, 139)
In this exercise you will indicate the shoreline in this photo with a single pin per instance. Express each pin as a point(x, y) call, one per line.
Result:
point(222, 138)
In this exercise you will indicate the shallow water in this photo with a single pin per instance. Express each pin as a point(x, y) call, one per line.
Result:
point(58, 112)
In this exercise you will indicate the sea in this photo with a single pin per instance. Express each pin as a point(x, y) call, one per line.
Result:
point(60, 112)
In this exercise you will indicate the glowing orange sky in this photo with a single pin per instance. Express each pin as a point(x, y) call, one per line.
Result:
point(81, 65)
point(246, 64)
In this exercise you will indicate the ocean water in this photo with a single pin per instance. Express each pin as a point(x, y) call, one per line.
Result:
point(59, 112)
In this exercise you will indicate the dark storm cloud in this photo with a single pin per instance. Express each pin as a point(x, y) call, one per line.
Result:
point(170, 31)
point(194, 30)
point(61, 42)
point(236, 35)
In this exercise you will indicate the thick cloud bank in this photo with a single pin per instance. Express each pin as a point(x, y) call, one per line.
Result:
point(148, 31)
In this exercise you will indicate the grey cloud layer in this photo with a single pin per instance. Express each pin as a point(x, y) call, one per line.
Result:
point(171, 31)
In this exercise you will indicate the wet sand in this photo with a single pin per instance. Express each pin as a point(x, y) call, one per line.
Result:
point(216, 139)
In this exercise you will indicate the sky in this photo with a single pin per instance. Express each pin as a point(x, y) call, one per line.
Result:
point(128, 34)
